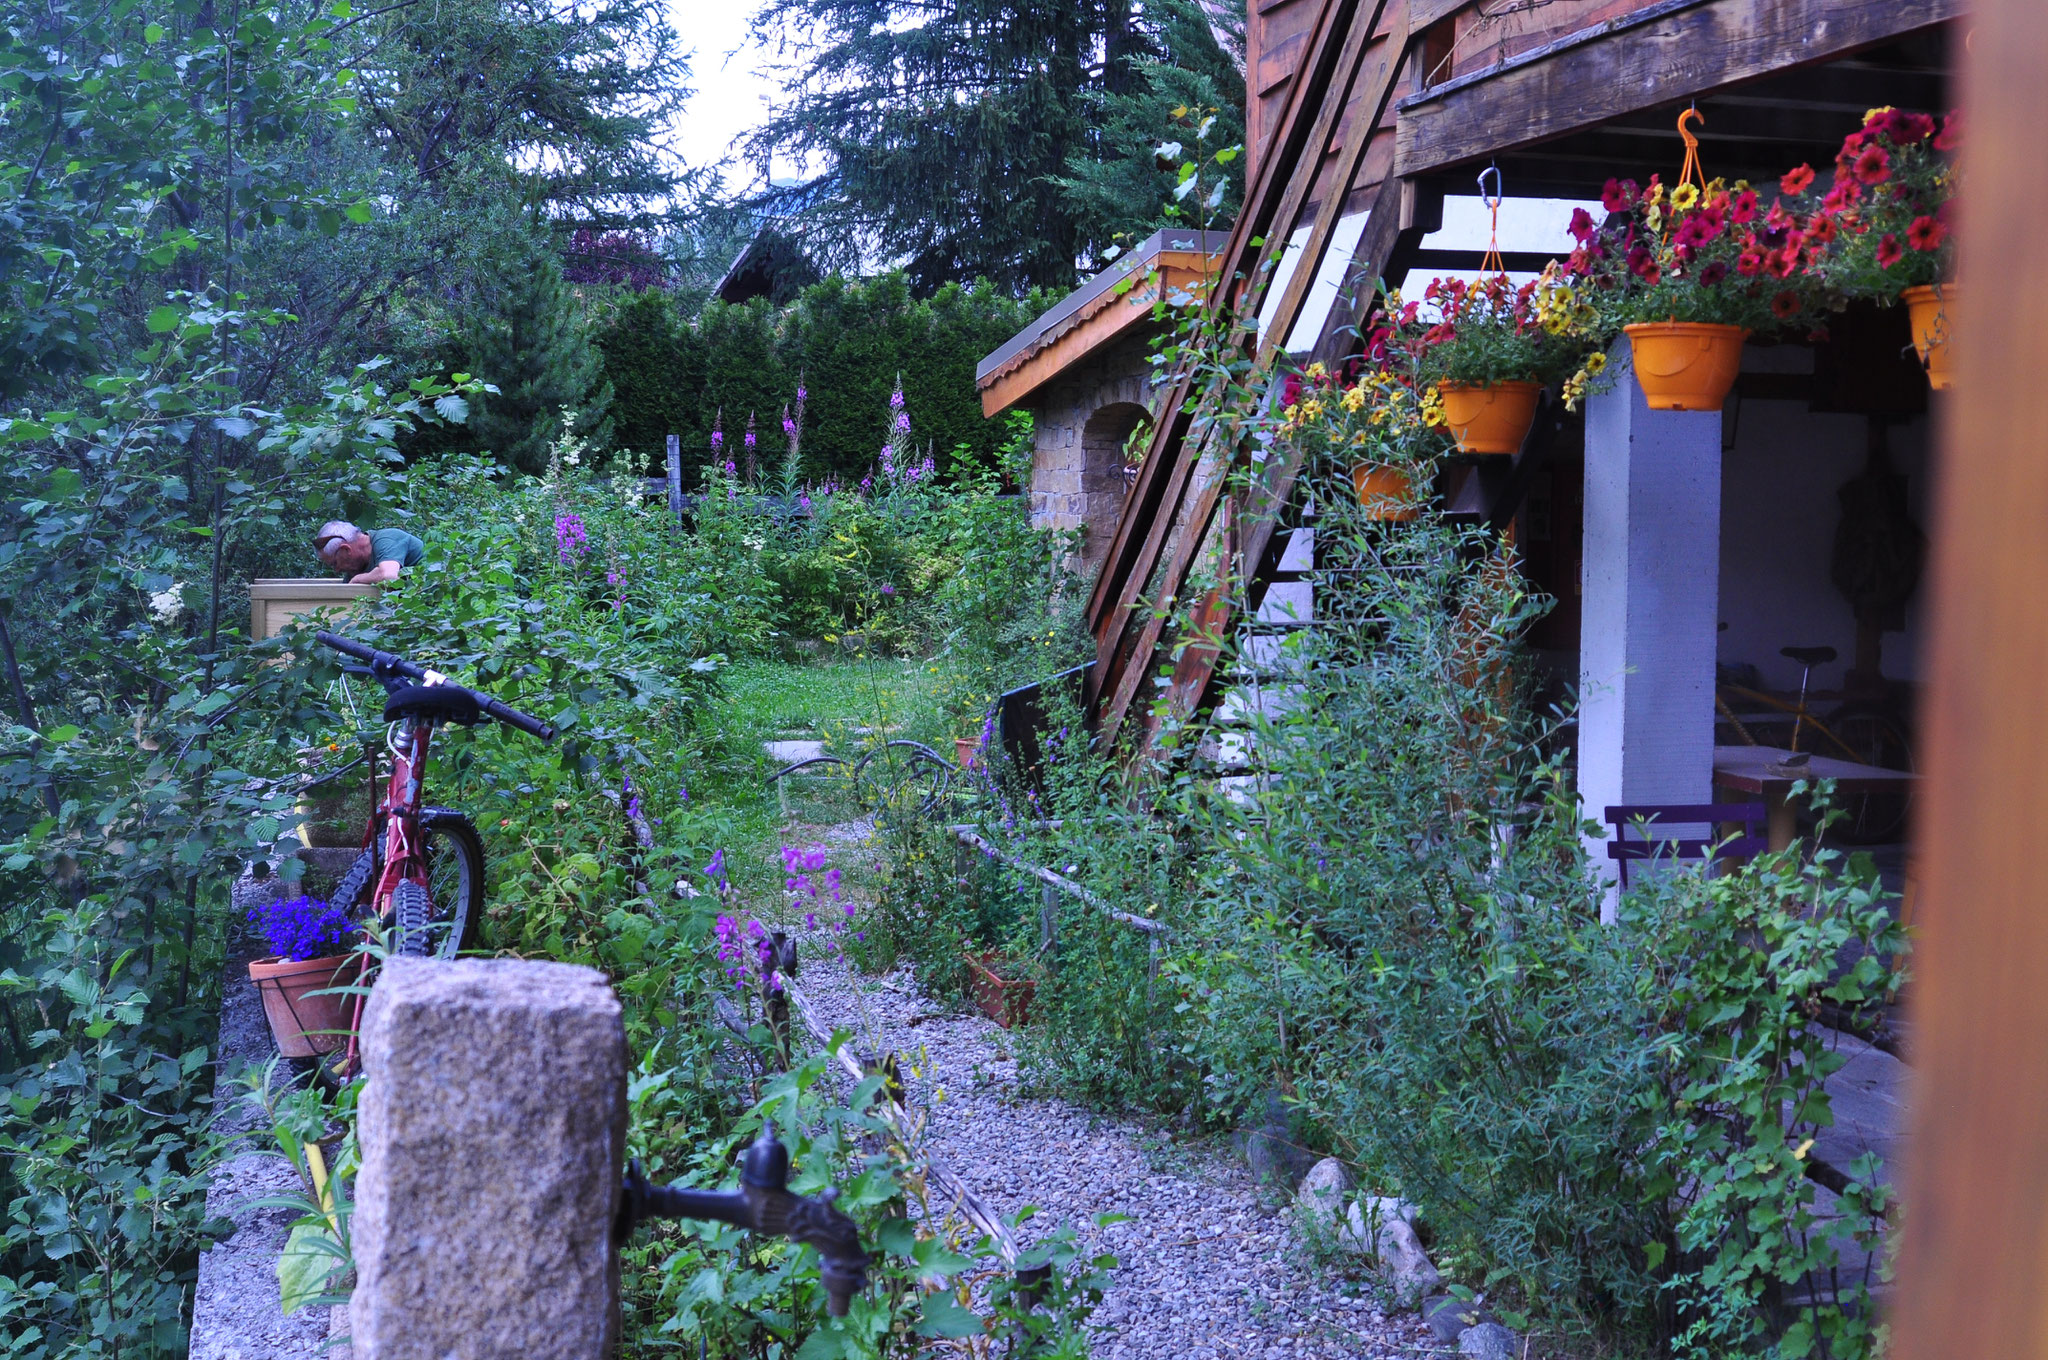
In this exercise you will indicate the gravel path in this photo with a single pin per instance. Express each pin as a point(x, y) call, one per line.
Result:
point(1205, 1270)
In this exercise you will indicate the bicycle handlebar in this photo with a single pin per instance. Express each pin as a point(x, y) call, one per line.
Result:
point(386, 663)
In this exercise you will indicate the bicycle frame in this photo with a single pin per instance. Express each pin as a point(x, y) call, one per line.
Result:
point(397, 820)
point(403, 857)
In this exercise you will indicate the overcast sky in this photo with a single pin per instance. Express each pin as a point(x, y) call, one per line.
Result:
point(735, 86)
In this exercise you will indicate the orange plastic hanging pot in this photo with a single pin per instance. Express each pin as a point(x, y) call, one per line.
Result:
point(1686, 365)
point(1387, 493)
point(1489, 418)
point(1931, 309)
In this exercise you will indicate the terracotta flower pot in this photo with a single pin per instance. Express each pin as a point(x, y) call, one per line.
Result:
point(1932, 309)
point(305, 1026)
point(963, 752)
point(1686, 365)
point(1007, 1001)
point(1493, 418)
point(1387, 493)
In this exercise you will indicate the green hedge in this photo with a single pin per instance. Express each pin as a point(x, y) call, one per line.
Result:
point(847, 340)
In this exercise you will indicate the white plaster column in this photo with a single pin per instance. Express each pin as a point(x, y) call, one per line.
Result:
point(1650, 599)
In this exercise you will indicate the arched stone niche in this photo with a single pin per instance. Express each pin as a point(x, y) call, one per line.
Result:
point(1084, 421)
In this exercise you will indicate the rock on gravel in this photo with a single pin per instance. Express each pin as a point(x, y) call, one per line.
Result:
point(1489, 1341)
point(1205, 1269)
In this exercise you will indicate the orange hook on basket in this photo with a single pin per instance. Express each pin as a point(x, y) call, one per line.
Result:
point(1690, 172)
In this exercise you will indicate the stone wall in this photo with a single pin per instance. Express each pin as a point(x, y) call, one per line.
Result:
point(1083, 419)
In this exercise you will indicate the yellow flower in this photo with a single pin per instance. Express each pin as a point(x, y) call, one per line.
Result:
point(1872, 115)
point(1312, 409)
point(1684, 196)
point(1316, 370)
point(1655, 196)
point(1655, 217)
point(1596, 362)
point(1354, 400)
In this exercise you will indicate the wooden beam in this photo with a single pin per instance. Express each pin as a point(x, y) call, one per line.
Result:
point(1976, 1183)
point(1679, 49)
point(1370, 68)
point(1154, 503)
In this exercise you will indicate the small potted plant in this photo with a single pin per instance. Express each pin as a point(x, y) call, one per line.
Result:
point(1007, 1001)
point(1886, 220)
point(1688, 275)
point(310, 958)
point(1486, 350)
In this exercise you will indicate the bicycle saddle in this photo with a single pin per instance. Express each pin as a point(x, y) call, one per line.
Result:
point(1809, 656)
point(437, 703)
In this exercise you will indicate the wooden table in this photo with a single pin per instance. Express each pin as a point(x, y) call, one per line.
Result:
point(1749, 769)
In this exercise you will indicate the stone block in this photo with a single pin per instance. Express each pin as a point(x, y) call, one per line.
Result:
point(493, 1128)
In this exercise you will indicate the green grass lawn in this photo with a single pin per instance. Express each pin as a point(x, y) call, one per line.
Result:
point(847, 704)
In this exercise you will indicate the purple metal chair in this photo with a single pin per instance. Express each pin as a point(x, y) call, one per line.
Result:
point(1623, 850)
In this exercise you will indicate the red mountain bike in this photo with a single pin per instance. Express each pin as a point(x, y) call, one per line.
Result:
point(421, 871)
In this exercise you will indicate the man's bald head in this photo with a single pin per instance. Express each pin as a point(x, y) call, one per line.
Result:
point(343, 547)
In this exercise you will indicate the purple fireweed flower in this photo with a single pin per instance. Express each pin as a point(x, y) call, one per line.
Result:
point(888, 589)
point(896, 399)
point(803, 502)
point(718, 439)
point(789, 427)
point(571, 541)
point(903, 420)
point(800, 393)
point(731, 468)
point(748, 440)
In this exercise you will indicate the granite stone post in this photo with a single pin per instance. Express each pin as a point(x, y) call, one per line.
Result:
point(493, 1128)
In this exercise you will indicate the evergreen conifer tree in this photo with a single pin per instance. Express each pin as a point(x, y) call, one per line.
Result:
point(535, 349)
point(1122, 183)
point(945, 126)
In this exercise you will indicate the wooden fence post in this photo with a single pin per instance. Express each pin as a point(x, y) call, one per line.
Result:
point(675, 476)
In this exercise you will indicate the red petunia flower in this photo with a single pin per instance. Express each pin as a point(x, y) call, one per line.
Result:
point(1749, 262)
point(1839, 197)
point(1951, 132)
point(1619, 195)
point(1782, 264)
point(1820, 229)
point(1907, 129)
point(1797, 180)
point(1926, 234)
point(1582, 227)
point(1785, 305)
point(1872, 166)
point(1742, 208)
point(1888, 251)
point(1713, 274)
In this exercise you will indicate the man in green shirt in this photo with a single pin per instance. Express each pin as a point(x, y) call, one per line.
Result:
point(362, 555)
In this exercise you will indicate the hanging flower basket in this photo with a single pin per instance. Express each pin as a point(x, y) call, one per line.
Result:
point(1929, 306)
point(1007, 1001)
point(1686, 365)
point(1387, 493)
point(1489, 418)
point(305, 1026)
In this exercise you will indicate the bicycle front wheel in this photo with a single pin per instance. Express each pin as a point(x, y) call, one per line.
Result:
point(454, 855)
